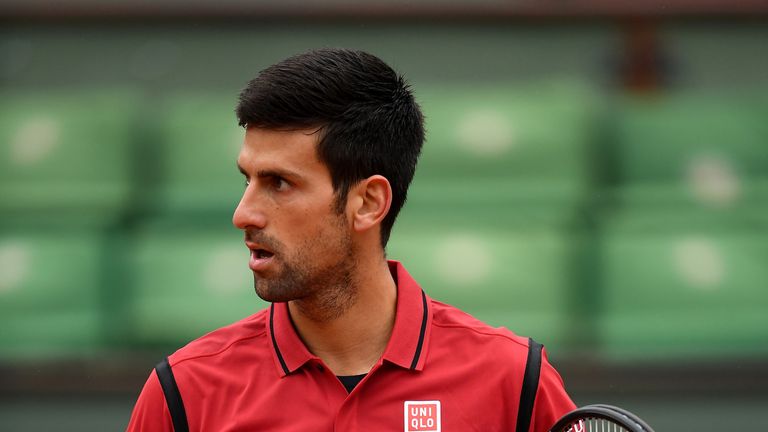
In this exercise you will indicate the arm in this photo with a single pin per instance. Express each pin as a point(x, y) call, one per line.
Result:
point(150, 414)
point(552, 401)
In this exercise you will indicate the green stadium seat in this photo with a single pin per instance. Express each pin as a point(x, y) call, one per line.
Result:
point(188, 281)
point(200, 143)
point(699, 151)
point(536, 138)
point(67, 151)
point(502, 269)
point(50, 292)
point(682, 287)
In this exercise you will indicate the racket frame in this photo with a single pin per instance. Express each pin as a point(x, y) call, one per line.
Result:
point(620, 416)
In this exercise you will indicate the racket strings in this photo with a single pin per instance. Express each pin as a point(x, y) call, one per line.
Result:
point(595, 424)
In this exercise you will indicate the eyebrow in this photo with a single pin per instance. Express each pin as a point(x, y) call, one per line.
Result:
point(273, 173)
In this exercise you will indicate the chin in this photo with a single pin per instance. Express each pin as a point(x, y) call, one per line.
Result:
point(272, 295)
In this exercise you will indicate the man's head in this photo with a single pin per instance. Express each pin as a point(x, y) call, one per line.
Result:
point(367, 120)
point(331, 144)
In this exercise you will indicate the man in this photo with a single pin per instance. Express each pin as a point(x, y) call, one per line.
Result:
point(351, 342)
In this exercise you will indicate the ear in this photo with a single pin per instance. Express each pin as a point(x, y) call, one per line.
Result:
point(373, 197)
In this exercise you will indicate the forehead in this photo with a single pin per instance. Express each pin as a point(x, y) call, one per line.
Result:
point(290, 149)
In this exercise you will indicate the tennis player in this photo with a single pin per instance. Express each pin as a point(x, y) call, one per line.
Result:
point(350, 342)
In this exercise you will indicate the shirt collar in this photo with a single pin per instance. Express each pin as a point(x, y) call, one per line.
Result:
point(407, 346)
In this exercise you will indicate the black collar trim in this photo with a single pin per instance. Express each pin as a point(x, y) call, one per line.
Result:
point(421, 332)
point(274, 341)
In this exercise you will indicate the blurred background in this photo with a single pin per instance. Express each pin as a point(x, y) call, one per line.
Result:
point(595, 176)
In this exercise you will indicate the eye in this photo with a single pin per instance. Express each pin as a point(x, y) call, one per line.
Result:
point(279, 183)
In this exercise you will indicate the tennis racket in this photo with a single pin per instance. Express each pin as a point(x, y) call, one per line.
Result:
point(600, 418)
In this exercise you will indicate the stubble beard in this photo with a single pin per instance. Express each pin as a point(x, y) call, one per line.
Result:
point(322, 292)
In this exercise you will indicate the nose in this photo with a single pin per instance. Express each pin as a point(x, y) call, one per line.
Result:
point(248, 213)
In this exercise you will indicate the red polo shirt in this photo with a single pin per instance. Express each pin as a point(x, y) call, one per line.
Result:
point(442, 370)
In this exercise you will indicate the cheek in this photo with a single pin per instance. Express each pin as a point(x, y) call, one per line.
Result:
point(309, 229)
point(289, 219)
point(305, 232)
point(326, 238)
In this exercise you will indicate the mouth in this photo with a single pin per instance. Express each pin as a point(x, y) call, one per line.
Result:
point(262, 253)
point(261, 258)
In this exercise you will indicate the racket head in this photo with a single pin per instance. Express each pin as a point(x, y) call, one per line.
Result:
point(600, 418)
point(630, 415)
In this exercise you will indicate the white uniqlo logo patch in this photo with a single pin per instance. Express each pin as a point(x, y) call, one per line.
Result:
point(422, 416)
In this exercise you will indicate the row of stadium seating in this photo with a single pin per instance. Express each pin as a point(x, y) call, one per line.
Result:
point(661, 288)
point(634, 227)
point(107, 150)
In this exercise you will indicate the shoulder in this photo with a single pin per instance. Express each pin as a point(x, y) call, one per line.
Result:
point(502, 351)
point(215, 358)
point(460, 337)
point(462, 328)
point(454, 328)
point(224, 342)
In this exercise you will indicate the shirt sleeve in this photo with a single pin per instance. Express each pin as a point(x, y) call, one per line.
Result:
point(150, 414)
point(552, 401)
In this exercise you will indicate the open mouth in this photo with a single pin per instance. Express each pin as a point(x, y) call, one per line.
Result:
point(262, 253)
point(261, 259)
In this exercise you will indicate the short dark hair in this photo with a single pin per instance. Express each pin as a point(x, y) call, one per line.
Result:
point(368, 119)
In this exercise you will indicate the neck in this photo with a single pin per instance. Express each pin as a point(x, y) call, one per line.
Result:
point(351, 342)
